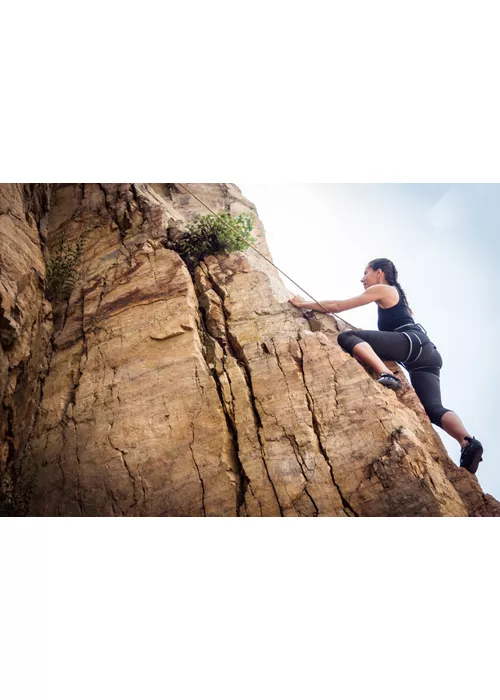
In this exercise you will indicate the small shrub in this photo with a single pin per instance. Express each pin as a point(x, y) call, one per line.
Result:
point(210, 234)
point(62, 268)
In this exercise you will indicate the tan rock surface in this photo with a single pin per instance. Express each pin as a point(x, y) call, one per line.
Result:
point(168, 395)
point(25, 328)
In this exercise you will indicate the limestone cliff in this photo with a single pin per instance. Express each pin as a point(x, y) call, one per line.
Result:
point(154, 392)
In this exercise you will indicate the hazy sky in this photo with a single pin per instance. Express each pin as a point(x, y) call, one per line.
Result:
point(445, 243)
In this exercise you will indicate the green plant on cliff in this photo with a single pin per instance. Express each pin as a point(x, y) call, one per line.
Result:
point(211, 234)
point(62, 268)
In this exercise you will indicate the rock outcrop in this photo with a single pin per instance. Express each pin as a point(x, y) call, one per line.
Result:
point(154, 392)
point(25, 329)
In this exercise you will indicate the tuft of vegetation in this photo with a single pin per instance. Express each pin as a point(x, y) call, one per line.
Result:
point(62, 268)
point(210, 234)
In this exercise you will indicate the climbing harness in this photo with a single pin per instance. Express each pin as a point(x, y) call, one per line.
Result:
point(406, 325)
point(262, 255)
point(407, 361)
point(421, 343)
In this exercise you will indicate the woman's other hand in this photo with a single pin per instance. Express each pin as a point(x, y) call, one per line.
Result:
point(297, 301)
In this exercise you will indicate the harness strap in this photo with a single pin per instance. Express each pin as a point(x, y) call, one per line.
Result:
point(411, 347)
point(407, 361)
point(425, 369)
point(419, 353)
point(406, 325)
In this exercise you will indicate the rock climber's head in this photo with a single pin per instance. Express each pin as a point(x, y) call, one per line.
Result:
point(382, 271)
point(379, 271)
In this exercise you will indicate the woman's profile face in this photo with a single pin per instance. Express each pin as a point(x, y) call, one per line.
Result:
point(369, 277)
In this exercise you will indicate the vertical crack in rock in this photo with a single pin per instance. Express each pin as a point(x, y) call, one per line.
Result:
point(335, 382)
point(230, 349)
point(300, 460)
point(60, 464)
point(258, 429)
point(237, 352)
point(113, 500)
point(37, 199)
point(67, 412)
point(317, 428)
point(139, 473)
point(118, 213)
point(65, 315)
point(78, 485)
point(243, 479)
point(291, 438)
point(80, 368)
point(122, 454)
point(198, 472)
point(116, 396)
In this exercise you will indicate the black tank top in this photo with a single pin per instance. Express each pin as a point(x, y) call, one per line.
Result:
point(394, 317)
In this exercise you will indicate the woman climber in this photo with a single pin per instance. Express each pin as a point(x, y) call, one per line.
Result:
point(402, 340)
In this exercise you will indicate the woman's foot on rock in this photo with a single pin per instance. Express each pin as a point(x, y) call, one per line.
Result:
point(471, 455)
point(390, 381)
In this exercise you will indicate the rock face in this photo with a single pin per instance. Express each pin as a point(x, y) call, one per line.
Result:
point(152, 392)
point(25, 329)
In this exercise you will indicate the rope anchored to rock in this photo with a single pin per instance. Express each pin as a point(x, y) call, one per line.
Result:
point(262, 255)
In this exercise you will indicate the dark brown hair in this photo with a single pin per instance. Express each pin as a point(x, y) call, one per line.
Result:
point(391, 275)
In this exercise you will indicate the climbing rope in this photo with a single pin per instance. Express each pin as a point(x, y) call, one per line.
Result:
point(262, 255)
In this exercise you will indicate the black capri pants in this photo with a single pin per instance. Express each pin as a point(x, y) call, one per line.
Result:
point(416, 353)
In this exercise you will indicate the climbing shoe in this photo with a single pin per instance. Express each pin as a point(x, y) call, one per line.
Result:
point(471, 455)
point(390, 381)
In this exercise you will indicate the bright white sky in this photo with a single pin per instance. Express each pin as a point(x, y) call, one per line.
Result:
point(444, 242)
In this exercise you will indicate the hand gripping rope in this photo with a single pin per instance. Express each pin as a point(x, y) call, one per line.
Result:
point(263, 256)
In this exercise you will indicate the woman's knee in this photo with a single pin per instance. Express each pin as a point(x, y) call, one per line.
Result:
point(436, 413)
point(347, 340)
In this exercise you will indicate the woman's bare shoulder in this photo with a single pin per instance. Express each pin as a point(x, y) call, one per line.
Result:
point(389, 296)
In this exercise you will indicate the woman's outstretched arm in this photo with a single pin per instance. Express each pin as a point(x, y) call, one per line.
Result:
point(373, 293)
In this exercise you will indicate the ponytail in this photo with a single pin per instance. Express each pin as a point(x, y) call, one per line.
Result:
point(400, 290)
